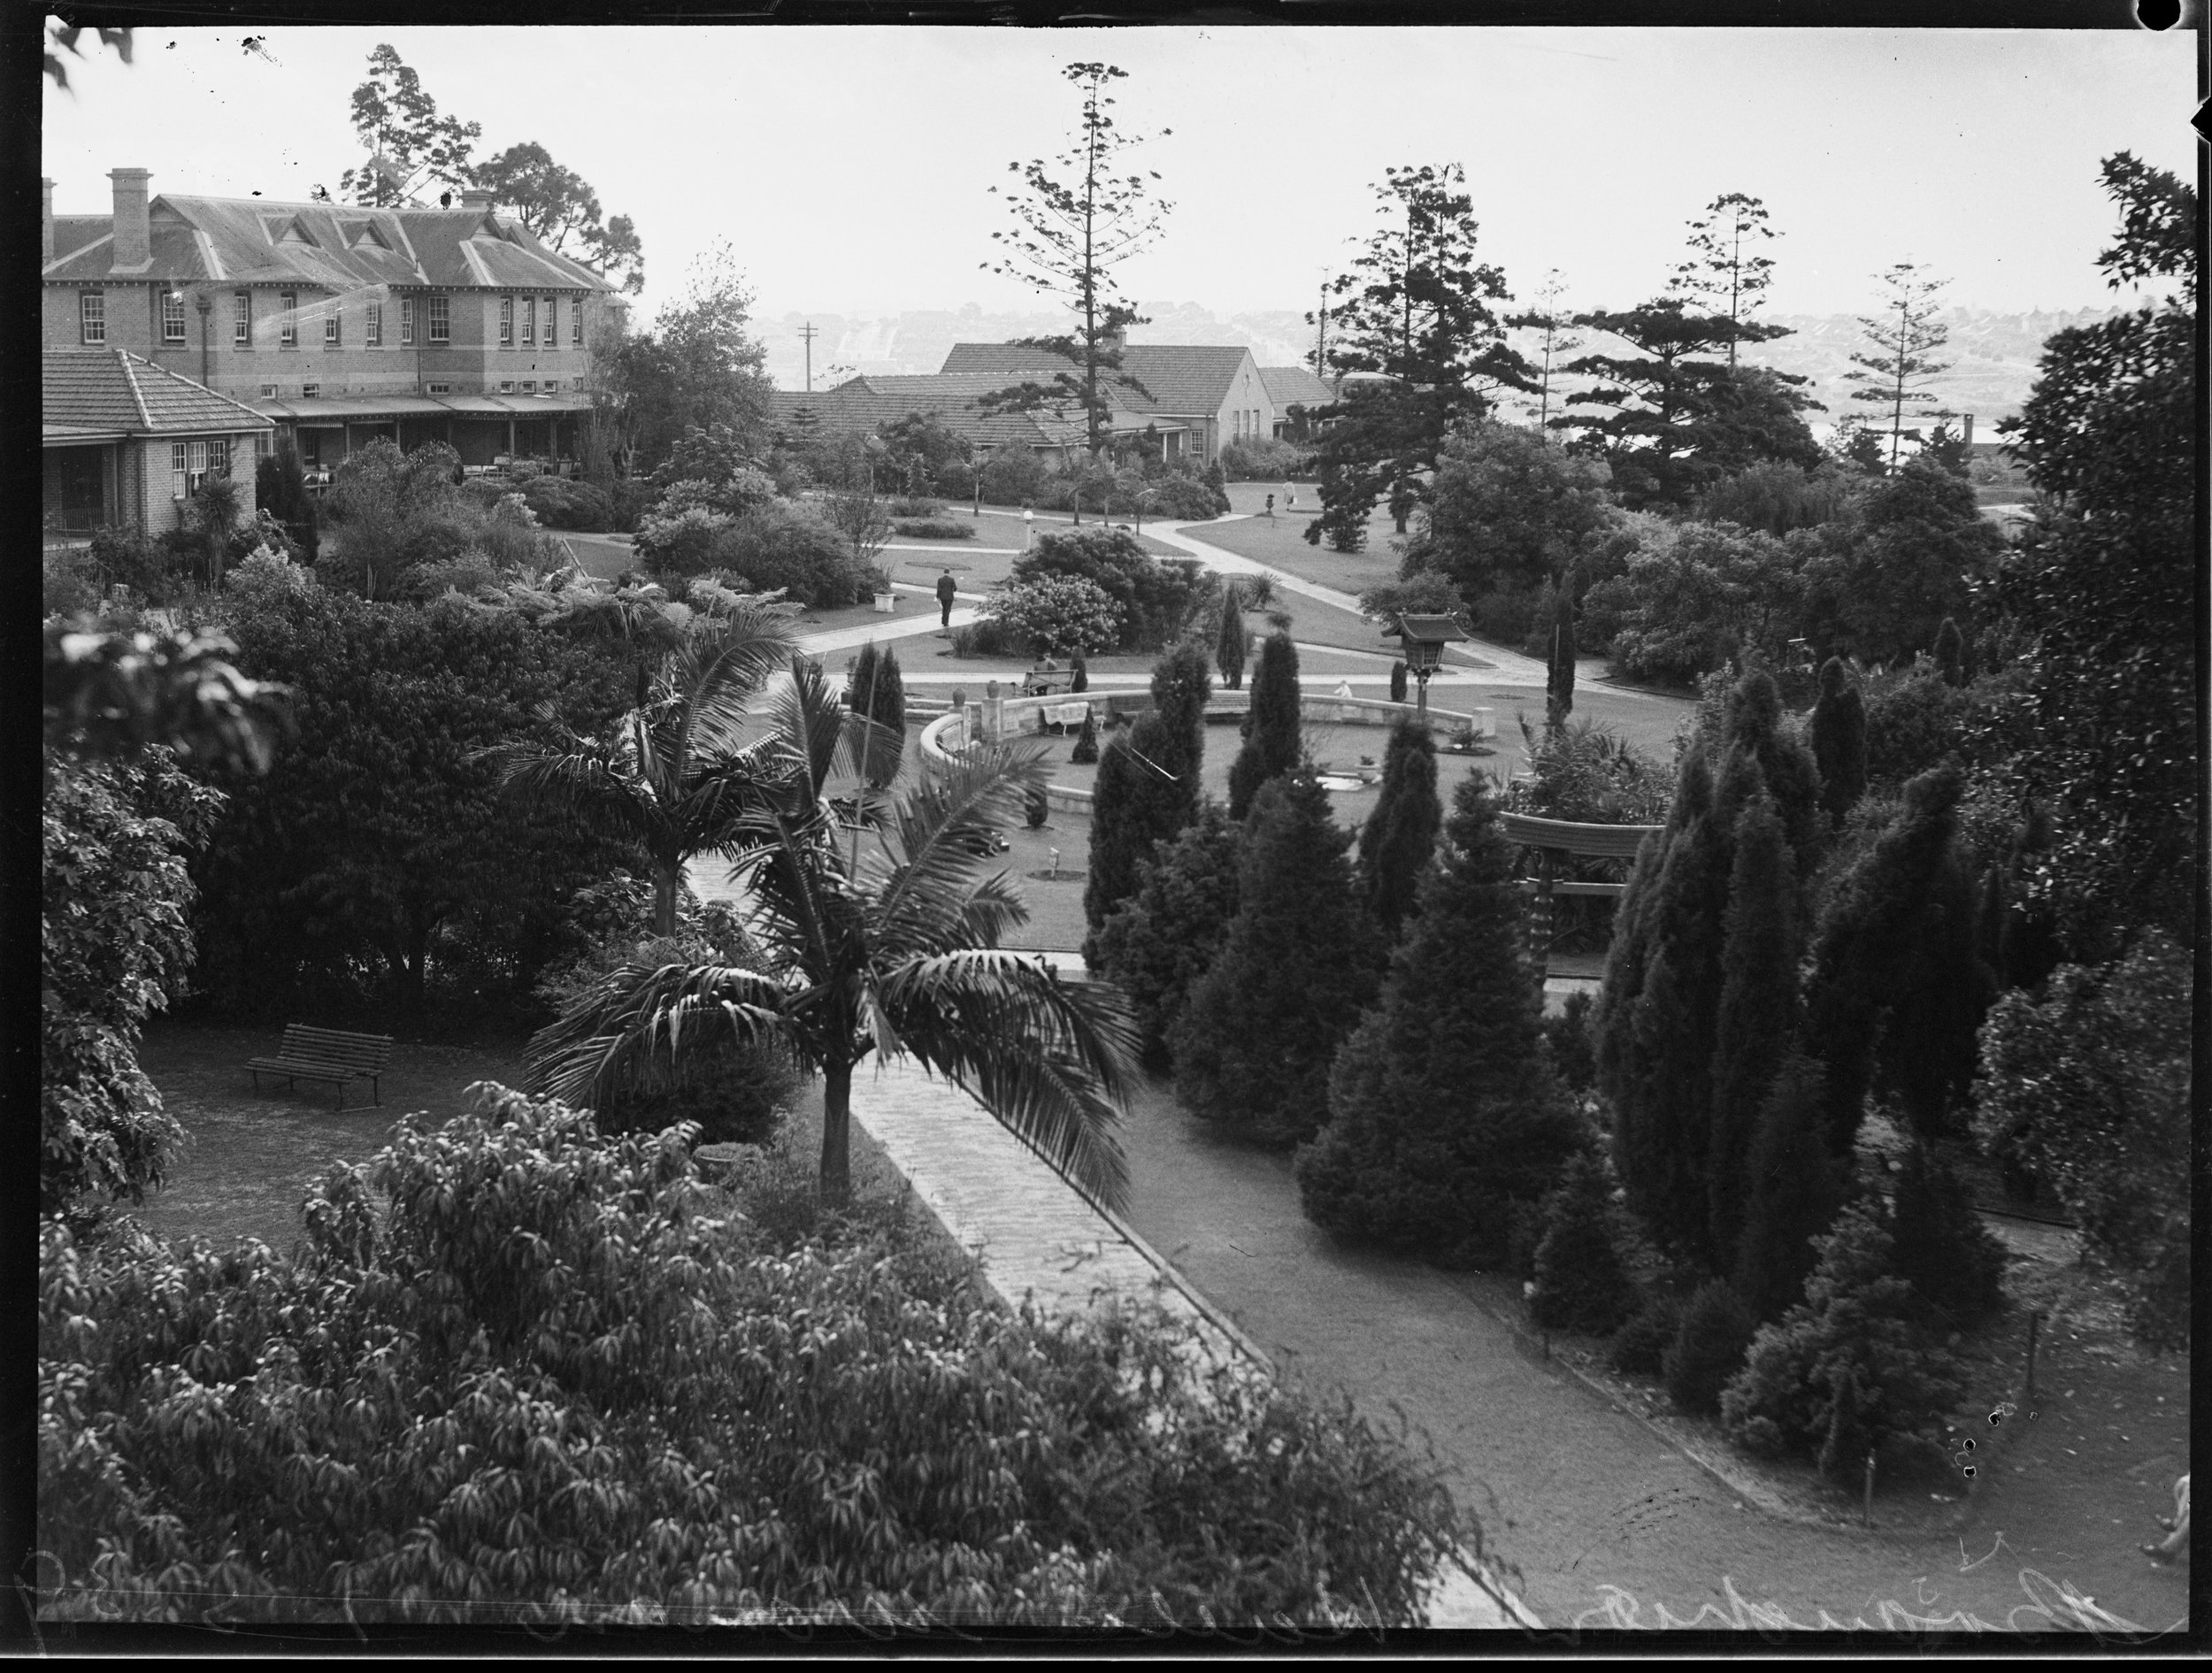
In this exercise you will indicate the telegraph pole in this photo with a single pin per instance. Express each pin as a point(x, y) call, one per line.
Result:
point(807, 335)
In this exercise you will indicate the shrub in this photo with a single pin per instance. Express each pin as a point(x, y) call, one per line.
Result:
point(876, 688)
point(1422, 593)
point(786, 546)
point(987, 636)
point(547, 1376)
point(1253, 1047)
point(564, 505)
point(1013, 476)
point(1086, 750)
point(1838, 734)
point(1400, 835)
point(1913, 721)
point(956, 479)
point(1639, 1349)
point(679, 543)
point(1443, 1112)
point(1160, 600)
point(1263, 459)
point(126, 557)
point(1177, 498)
point(1147, 788)
point(1055, 613)
point(2088, 1086)
point(1717, 1329)
point(1848, 1368)
point(1163, 938)
point(1953, 1261)
point(934, 528)
point(916, 505)
point(1581, 1284)
point(69, 584)
point(461, 574)
point(1272, 738)
point(1567, 1040)
point(1035, 808)
point(1792, 1187)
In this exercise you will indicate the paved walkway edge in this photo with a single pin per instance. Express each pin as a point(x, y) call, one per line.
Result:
point(1469, 1594)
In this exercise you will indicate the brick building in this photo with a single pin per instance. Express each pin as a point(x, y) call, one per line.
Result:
point(338, 324)
point(858, 405)
point(127, 444)
point(1209, 395)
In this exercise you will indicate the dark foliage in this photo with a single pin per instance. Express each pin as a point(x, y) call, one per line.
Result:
point(1793, 1188)
point(1758, 1012)
point(1567, 1037)
point(1159, 598)
point(1400, 835)
point(1707, 1348)
point(1954, 1262)
point(1158, 942)
point(874, 688)
point(1229, 646)
point(1273, 739)
point(1839, 739)
point(1580, 1282)
point(1639, 1347)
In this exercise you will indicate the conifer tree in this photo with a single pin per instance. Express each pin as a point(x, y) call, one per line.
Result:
point(875, 689)
point(1086, 750)
point(1758, 1011)
point(1271, 736)
point(1953, 1261)
point(1443, 1109)
point(1950, 653)
point(1397, 682)
point(1159, 941)
point(1254, 1044)
point(1753, 721)
point(1839, 735)
point(1147, 788)
point(1897, 991)
point(1628, 955)
point(1559, 682)
point(1792, 1189)
point(1399, 834)
point(1580, 1282)
point(1229, 646)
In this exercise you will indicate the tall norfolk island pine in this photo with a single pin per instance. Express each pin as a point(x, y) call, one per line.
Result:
point(1253, 1046)
point(1443, 1109)
point(1271, 737)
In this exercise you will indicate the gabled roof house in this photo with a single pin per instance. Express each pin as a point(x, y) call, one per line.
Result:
point(125, 443)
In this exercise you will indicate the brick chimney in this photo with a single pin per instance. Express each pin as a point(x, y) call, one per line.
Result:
point(476, 197)
point(45, 223)
point(133, 236)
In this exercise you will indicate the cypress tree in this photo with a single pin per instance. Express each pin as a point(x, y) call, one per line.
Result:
point(1751, 720)
point(1399, 834)
point(1839, 733)
point(1086, 750)
point(1079, 671)
point(1792, 1190)
point(1939, 1245)
point(1271, 738)
point(1897, 992)
point(1253, 1046)
point(1147, 788)
point(1580, 1282)
point(1117, 845)
point(875, 689)
point(1160, 940)
point(1229, 646)
point(1950, 653)
point(1181, 683)
point(1628, 955)
point(1758, 1011)
point(1397, 682)
point(1443, 1109)
point(1559, 683)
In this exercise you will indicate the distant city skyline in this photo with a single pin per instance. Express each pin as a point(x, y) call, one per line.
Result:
point(850, 168)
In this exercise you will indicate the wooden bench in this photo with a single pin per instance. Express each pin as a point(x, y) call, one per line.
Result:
point(326, 1054)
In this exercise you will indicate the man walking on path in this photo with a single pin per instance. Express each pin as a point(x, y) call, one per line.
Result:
point(945, 588)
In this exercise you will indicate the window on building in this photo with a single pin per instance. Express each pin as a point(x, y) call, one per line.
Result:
point(330, 327)
point(263, 444)
point(507, 386)
point(552, 322)
point(576, 319)
point(288, 320)
point(373, 328)
point(437, 389)
point(172, 316)
point(309, 391)
point(194, 461)
point(92, 315)
point(406, 321)
point(529, 386)
point(552, 384)
point(242, 319)
point(441, 323)
point(268, 392)
point(506, 322)
point(530, 319)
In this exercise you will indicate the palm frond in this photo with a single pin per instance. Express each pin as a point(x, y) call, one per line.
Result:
point(936, 857)
point(1052, 1061)
point(810, 721)
point(633, 1026)
point(584, 782)
point(722, 665)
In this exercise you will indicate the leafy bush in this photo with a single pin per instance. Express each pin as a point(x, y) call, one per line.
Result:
point(936, 528)
point(555, 1380)
point(562, 503)
point(917, 506)
point(128, 557)
point(1424, 592)
point(1639, 1347)
point(1694, 596)
point(1013, 476)
point(681, 543)
point(786, 545)
point(987, 636)
point(1567, 1038)
point(1848, 1368)
point(956, 481)
point(69, 584)
point(463, 574)
point(1580, 1283)
point(2087, 1087)
point(1055, 613)
point(1914, 719)
point(1180, 498)
point(1263, 459)
point(1716, 1328)
point(1161, 600)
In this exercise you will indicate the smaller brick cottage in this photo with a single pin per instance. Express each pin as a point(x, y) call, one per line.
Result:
point(127, 444)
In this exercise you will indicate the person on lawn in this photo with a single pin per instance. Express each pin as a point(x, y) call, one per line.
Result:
point(946, 589)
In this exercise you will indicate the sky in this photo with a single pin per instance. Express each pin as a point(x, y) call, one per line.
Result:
point(849, 169)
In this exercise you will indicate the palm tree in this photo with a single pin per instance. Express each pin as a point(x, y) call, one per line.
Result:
point(671, 774)
point(892, 949)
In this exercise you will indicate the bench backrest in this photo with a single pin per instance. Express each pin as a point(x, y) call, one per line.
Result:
point(367, 1053)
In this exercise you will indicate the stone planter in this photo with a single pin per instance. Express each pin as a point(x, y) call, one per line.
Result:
point(886, 603)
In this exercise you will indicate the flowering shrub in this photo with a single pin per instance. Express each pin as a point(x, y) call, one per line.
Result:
point(1058, 613)
point(555, 1381)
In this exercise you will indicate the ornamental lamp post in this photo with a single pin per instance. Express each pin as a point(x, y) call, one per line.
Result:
point(1424, 638)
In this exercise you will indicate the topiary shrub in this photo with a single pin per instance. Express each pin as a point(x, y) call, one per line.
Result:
point(934, 528)
point(1846, 1369)
point(1035, 808)
point(1581, 1284)
point(1639, 1349)
point(1086, 750)
point(1716, 1328)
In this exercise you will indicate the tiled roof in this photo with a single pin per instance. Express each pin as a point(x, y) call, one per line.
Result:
point(1189, 380)
point(329, 246)
point(1294, 386)
point(111, 389)
point(863, 403)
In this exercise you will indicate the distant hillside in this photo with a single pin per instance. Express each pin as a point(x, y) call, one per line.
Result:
point(1994, 356)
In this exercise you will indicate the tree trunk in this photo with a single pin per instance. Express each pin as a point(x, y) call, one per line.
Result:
point(665, 877)
point(837, 1114)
